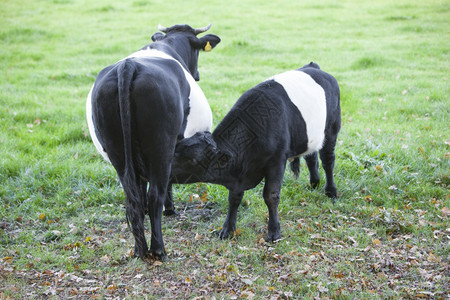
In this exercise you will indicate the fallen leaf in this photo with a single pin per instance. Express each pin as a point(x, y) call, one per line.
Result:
point(221, 279)
point(445, 211)
point(247, 294)
point(56, 232)
point(355, 242)
point(306, 270)
point(105, 259)
point(376, 242)
point(192, 197)
point(367, 249)
point(424, 294)
point(432, 258)
point(204, 197)
point(41, 216)
point(321, 288)
point(232, 268)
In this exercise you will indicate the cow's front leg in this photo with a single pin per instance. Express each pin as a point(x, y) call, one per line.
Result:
point(229, 226)
point(169, 207)
point(271, 196)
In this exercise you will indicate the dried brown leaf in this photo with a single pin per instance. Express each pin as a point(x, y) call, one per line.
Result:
point(376, 242)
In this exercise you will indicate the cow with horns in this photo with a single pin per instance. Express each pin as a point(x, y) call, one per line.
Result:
point(138, 109)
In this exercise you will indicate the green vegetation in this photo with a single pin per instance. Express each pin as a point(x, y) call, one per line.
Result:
point(62, 222)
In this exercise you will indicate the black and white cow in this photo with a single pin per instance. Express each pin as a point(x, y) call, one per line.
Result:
point(292, 114)
point(138, 109)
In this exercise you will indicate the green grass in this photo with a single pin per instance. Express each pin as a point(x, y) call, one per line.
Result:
point(62, 222)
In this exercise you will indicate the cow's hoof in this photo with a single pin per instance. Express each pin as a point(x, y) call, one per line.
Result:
point(224, 234)
point(314, 184)
point(162, 258)
point(273, 237)
point(170, 212)
point(331, 193)
point(159, 255)
point(140, 253)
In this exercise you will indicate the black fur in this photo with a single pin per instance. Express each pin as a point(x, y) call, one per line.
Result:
point(254, 141)
point(139, 111)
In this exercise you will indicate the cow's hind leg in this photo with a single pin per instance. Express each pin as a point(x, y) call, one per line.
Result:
point(135, 212)
point(313, 166)
point(328, 157)
point(156, 195)
point(271, 194)
point(159, 167)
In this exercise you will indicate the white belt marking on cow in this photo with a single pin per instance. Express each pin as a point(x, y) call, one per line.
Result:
point(200, 114)
point(309, 97)
point(90, 122)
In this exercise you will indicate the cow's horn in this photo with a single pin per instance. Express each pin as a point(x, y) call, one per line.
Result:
point(203, 29)
point(162, 28)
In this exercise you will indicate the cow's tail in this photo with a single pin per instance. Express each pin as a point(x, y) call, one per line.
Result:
point(130, 177)
point(295, 166)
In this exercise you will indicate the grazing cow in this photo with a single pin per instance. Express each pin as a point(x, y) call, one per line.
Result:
point(292, 114)
point(138, 109)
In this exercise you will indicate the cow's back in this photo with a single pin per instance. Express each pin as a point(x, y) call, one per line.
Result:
point(332, 95)
point(164, 97)
point(287, 112)
point(197, 112)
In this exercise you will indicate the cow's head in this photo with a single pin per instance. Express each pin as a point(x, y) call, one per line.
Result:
point(182, 43)
point(198, 158)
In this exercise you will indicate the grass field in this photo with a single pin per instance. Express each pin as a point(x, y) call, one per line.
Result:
point(63, 232)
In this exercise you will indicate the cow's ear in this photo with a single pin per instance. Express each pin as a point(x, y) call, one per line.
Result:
point(209, 41)
point(207, 138)
point(157, 36)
